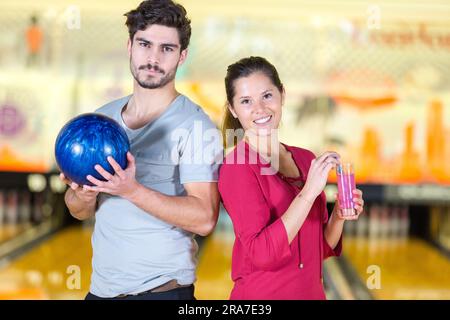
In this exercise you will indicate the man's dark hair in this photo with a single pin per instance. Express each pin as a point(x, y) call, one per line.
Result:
point(163, 12)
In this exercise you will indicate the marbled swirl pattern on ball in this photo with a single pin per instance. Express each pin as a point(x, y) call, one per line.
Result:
point(88, 140)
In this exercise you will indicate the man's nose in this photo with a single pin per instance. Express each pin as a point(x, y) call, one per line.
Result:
point(153, 56)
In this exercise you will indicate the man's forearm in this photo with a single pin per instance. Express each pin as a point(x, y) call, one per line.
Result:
point(186, 212)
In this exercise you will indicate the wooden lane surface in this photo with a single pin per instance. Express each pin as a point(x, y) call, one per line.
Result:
point(409, 268)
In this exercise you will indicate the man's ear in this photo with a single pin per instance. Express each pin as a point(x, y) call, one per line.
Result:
point(129, 45)
point(183, 57)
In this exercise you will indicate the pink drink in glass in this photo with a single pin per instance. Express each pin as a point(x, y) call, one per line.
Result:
point(346, 185)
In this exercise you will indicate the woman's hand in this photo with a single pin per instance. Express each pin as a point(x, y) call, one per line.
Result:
point(318, 174)
point(359, 206)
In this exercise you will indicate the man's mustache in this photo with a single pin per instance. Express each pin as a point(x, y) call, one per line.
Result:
point(150, 67)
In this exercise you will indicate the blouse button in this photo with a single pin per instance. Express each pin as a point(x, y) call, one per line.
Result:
point(300, 265)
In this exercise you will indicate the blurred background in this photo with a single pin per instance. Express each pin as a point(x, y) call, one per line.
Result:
point(370, 80)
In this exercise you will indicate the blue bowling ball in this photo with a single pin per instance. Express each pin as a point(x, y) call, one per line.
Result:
point(87, 140)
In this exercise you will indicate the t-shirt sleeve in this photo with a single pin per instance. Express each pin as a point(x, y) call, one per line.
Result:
point(201, 152)
point(264, 240)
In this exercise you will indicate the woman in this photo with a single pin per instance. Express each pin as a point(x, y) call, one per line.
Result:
point(280, 218)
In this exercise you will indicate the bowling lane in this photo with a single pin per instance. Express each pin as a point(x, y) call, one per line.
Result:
point(10, 231)
point(58, 268)
point(45, 271)
point(214, 268)
point(410, 268)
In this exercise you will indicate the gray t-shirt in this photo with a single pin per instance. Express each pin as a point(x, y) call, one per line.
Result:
point(134, 251)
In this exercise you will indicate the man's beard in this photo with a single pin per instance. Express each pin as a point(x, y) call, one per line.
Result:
point(153, 83)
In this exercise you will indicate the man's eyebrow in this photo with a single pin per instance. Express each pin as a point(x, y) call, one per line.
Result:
point(172, 45)
point(143, 40)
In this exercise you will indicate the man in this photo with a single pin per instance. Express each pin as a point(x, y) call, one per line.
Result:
point(147, 213)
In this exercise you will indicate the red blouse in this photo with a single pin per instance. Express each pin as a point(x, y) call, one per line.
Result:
point(264, 264)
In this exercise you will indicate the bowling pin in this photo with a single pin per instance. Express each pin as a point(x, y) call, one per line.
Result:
point(24, 207)
point(361, 226)
point(2, 207)
point(384, 222)
point(11, 213)
point(446, 229)
point(373, 231)
point(48, 203)
point(441, 218)
point(350, 228)
point(37, 207)
point(374, 222)
point(395, 223)
point(404, 222)
point(384, 243)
